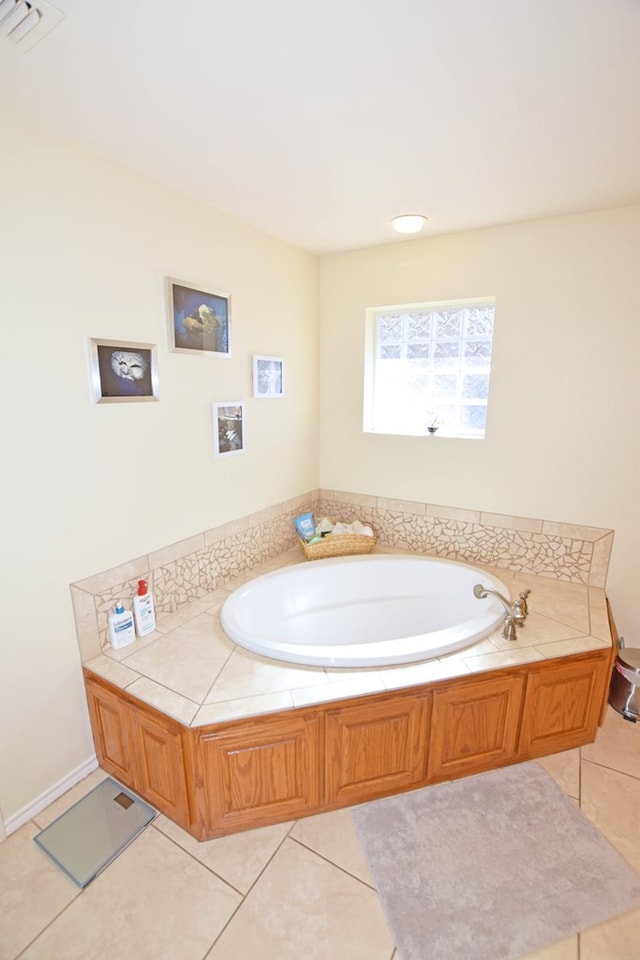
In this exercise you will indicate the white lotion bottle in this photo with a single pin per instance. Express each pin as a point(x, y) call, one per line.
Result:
point(143, 610)
point(121, 630)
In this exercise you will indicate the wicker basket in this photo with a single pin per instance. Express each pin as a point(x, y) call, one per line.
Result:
point(338, 545)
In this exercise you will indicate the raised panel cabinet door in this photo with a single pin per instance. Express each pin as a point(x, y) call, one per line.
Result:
point(474, 726)
point(259, 774)
point(373, 749)
point(111, 732)
point(159, 765)
point(562, 707)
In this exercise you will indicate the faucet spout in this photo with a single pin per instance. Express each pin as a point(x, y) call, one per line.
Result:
point(516, 612)
point(481, 592)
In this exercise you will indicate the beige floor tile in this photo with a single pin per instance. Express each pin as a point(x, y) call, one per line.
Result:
point(611, 800)
point(562, 950)
point(67, 800)
point(154, 901)
point(565, 769)
point(239, 859)
point(304, 907)
point(33, 891)
point(618, 939)
point(617, 745)
point(333, 835)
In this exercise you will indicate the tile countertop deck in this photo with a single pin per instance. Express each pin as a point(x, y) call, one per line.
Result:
point(190, 670)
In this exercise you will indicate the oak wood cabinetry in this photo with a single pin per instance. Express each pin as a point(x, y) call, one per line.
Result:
point(375, 747)
point(259, 772)
point(475, 726)
point(219, 779)
point(109, 715)
point(141, 747)
point(561, 709)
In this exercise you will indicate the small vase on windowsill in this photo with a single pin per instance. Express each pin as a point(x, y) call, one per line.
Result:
point(433, 421)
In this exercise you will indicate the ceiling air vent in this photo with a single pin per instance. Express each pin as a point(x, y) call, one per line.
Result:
point(23, 22)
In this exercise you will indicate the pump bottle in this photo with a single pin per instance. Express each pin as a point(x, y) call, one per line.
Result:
point(143, 610)
point(121, 628)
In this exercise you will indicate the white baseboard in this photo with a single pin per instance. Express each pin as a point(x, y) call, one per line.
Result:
point(38, 805)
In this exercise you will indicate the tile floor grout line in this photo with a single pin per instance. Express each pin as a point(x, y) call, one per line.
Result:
point(580, 762)
point(580, 758)
point(596, 763)
point(217, 937)
point(245, 895)
point(78, 893)
point(334, 864)
point(199, 862)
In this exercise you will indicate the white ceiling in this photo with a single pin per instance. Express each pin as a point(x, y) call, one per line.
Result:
point(319, 122)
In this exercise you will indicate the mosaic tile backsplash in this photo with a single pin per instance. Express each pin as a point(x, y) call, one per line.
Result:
point(183, 572)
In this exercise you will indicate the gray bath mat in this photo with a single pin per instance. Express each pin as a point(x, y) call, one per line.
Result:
point(490, 867)
point(91, 833)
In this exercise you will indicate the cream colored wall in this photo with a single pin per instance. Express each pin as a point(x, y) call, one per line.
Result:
point(562, 440)
point(84, 250)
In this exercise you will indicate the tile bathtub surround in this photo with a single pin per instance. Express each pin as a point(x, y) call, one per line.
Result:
point(559, 551)
point(295, 890)
point(187, 572)
point(191, 671)
point(183, 573)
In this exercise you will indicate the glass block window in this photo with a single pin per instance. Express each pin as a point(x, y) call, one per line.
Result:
point(428, 365)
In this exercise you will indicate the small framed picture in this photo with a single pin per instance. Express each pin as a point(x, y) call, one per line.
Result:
point(268, 376)
point(123, 371)
point(228, 428)
point(199, 320)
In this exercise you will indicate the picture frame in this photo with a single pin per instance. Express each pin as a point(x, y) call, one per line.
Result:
point(123, 371)
point(199, 319)
point(268, 376)
point(228, 428)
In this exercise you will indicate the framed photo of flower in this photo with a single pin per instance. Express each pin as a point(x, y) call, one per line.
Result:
point(123, 371)
point(199, 320)
point(228, 428)
point(268, 376)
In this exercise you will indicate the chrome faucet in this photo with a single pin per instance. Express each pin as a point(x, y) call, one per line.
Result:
point(516, 611)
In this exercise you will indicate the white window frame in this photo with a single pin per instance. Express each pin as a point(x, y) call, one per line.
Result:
point(415, 420)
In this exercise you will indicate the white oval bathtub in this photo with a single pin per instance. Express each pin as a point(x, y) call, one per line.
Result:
point(363, 611)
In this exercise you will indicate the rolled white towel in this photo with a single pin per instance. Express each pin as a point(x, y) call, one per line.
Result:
point(324, 526)
point(341, 528)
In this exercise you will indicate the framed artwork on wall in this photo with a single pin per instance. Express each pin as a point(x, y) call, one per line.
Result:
point(123, 371)
point(228, 428)
point(268, 376)
point(199, 320)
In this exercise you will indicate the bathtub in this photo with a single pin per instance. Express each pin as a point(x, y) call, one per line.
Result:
point(364, 611)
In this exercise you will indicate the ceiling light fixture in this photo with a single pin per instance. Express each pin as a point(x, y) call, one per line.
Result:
point(23, 23)
point(409, 223)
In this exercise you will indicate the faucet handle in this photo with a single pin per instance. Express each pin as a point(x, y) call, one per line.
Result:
point(522, 602)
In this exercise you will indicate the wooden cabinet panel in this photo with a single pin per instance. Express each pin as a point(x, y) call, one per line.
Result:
point(159, 765)
point(562, 706)
point(142, 749)
point(223, 778)
point(111, 733)
point(375, 748)
point(474, 726)
point(260, 773)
